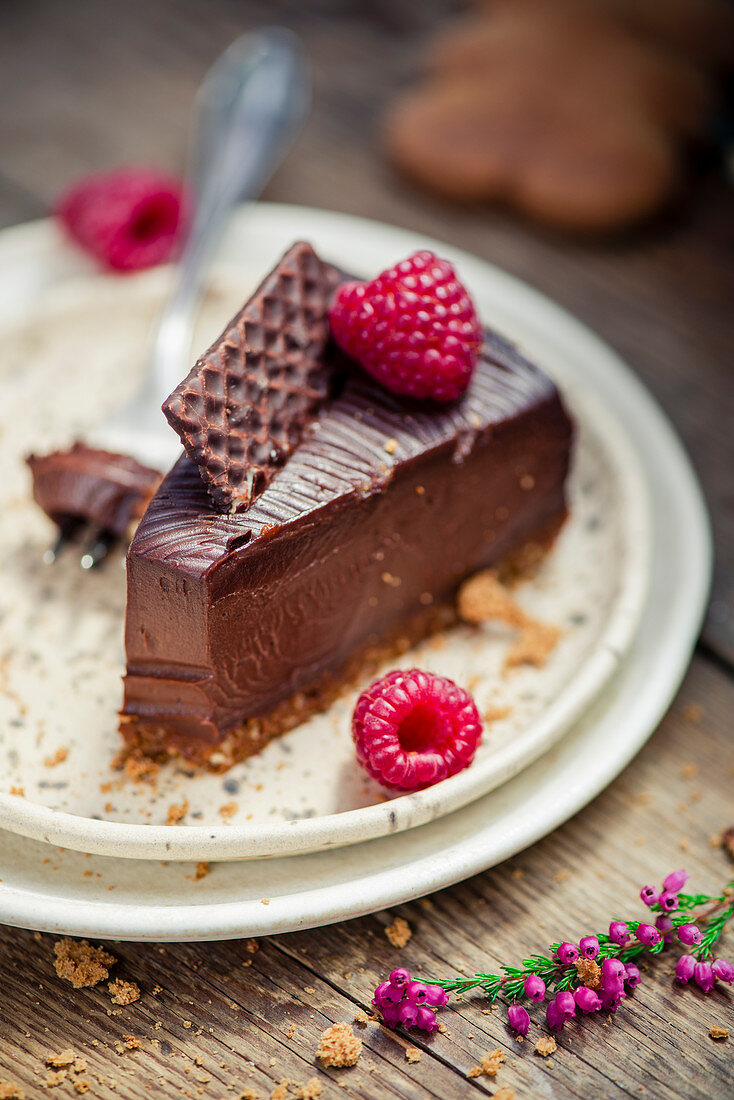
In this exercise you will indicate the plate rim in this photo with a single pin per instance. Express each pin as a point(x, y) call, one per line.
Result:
point(254, 841)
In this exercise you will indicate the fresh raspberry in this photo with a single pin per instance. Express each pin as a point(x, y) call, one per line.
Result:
point(127, 218)
point(413, 729)
point(413, 328)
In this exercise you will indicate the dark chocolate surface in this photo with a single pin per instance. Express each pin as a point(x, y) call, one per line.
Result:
point(109, 491)
point(386, 506)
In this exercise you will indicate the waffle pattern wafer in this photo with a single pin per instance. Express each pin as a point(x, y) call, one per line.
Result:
point(245, 404)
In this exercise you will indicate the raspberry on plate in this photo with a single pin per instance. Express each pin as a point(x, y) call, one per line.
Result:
point(412, 729)
point(414, 328)
point(127, 218)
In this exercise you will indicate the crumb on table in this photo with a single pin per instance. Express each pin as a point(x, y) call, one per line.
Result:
point(310, 1091)
point(545, 1045)
point(80, 963)
point(339, 1046)
point(123, 993)
point(399, 932)
point(10, 1090)
point(413, 1054)
point(718, 1032)
point(489, 1064)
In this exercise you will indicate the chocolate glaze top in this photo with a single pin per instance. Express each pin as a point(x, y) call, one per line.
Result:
point(351, 448)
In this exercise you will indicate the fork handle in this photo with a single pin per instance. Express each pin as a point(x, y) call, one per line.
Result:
point(247, 112)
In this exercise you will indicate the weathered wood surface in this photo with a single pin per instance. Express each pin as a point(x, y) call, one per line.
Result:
point(95, 83)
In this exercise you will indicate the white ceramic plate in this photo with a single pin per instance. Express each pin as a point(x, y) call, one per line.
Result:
point(62, 628)
point(154, 902)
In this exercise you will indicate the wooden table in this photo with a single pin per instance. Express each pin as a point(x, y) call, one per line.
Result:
point(95, 83)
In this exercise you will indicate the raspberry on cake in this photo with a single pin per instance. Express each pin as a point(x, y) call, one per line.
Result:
point(242, 623)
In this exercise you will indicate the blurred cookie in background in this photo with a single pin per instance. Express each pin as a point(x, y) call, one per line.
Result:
point(574, 112)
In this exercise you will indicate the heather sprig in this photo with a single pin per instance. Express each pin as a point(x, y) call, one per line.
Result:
point(599, 972)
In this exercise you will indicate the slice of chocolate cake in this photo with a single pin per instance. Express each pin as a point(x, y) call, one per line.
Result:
point(239, 625)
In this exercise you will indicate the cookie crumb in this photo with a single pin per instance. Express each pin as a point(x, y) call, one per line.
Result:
point(489, 1064)
point(693, 713)
point(20, 791)
point(339, 1046)
point(399, 932)
point(589, 973)
point(413, 1054)
point(361, 1016)
point(562, 875)
point(10, 1090)
point(123, 993)
point(228, 810)
point(717, 1032)
point(545, 1046)
point(310, 1091)
point(80, 963)
point(483, 597)
point(505, 1093)
point(64, 1058)
point(139, 768)
point(177, 813)
point(534, 646)
point(54, 1079)
point(248, 1094)
point(58, 758)
point(132, 1042)
point(82, 1085)
point(280, 1092)
point(689, 770)
point(201, 871)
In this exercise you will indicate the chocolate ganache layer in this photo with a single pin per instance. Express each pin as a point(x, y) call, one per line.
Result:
point(237, 624)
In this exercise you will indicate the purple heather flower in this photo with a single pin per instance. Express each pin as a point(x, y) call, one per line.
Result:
point(436, 996)
point(567, 952)
point(689, 934)
point(631, 976)
point(589, 947)
point(554, 1016)
point(390, 1015)
point(610, 1002)
point(399, 977)
point(613, 987)
point(618, 932)
point(668, 901)
point(425, 1019)
point(586, 999)
point(665, 925)
point(518, 1019)
point(649, 895)
point(407, 1013)
point(386, 994)
point(611, 970)
point(648, 934)
point(675, 881)
point(534, 987)
point(566, 1003)
point(417, 993)
point(723, 970)
point(703, 974)
point(684, 969)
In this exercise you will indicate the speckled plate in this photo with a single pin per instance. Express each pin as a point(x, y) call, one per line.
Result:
point(60, 646)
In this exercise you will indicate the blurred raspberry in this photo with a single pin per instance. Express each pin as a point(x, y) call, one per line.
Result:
point(413, 328)
point(413, 729)
point(127, 218)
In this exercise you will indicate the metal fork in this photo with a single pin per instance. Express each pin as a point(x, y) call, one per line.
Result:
point(247, 112)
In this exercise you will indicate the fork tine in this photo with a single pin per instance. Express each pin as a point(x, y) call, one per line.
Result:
point(97, 549)
point(68, 530)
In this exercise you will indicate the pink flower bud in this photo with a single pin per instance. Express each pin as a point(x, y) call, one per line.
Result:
point(631, 976)
point(518, 1019)
point(425, 1019)
point(390, 1015)
point(668, 901)
point(612, 987)
point(610, 1002)
point(534, 987)
point(587, 999)
point(566, 1003)
point(648, 934)
point(436, 996)
point(649, 895)
point(554, 1016)
point(612, 969)
point(589, 947)
point(417, 992)
point(618, 932)
point(689, 934)
point(399, 978)
point(723, 970)
point(684, 969)
point(567, 952)
point(675, 881)
point(386, 994)
point(407, 1013)
point(704, 976)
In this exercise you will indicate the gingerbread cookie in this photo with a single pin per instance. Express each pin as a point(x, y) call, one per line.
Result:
point(554, 109)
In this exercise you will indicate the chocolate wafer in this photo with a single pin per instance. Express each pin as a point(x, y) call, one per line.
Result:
point(245, 404)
